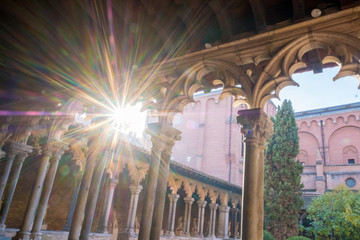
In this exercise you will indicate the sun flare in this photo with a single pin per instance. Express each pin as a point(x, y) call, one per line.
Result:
point(129, 120)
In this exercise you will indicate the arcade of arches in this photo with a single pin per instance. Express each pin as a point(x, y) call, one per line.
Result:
point(104, 181)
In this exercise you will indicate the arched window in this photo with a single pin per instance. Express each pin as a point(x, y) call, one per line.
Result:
point(350, 155)
point(303, 157)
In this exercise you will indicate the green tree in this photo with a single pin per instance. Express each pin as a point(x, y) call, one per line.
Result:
point(282, 176)
point(335, 215)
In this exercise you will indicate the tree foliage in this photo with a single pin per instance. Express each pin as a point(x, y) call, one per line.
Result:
point(335, 215)
point(282, 176)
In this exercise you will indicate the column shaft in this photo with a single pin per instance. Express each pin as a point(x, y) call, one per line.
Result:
point(168, 229)
point(92, 198)
point(163, 137)
point(108, 206)
point(201, 213)
point(187, 221)
point(106, 185)
point(78, 217)
point(13, 179)
point(6, 171)
point(73, 203)
point(250, 215)
point(223, 222)
point(135, 191)
point(24, 233)
point(213, 207)
point(44, 199)
point(234, 213)
point(160, 196)
point(173, 215)
point(148, 209)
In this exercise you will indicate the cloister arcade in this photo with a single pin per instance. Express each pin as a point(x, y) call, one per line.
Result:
point(252, 70)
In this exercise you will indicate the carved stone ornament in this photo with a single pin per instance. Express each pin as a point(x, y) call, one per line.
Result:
point(213, 195)
point(224, 198)
point(202, 191)
point(174, 183)
point(189, 187)
point(255, 125)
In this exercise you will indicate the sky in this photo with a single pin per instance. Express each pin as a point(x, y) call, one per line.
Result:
point(319, 90)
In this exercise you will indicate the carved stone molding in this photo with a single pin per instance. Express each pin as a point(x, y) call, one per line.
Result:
point(174, 183)
point(202, 192)
point(224, 198)
point(137, 172)
point(213, 195)
point(188, 187)
point(256, 125)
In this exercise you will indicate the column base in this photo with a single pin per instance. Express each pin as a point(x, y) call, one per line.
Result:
point(130, 232)
point(223, 237)
point(2, 229)
point(102, 230)
point(199, 235)
point(37, 236)
point(185, 235)
point(170, 234)
point(22, 236)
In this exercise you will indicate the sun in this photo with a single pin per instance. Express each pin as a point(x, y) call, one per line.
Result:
point(129, 120)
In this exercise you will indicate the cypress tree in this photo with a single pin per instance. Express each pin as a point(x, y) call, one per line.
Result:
point(282, 194)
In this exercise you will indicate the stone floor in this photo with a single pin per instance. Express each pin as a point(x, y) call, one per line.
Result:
point(57, 235)
point(62, 235)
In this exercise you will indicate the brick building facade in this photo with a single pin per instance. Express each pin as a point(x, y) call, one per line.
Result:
point(329, 142)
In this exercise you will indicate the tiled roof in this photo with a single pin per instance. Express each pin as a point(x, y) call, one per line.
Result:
point(143, 146)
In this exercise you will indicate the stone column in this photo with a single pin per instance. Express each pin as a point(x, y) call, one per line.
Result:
point(234, 213)
point(24, 233)
point(172, 212)
point(45, 195)
point(213, 207)
point(73, 202)
point(105, 218)
point(187, 219)
point(161, 188)
point(223, 222)
point(201, 214)
point(93, 196)
point(161, 135)
point(79, 211)
point(130, 227)
point(257, 128)
point(12, 182)
point(11, 153)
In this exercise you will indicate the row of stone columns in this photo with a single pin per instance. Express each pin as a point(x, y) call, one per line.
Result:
point(14, 152)
point(170, 230)
point(78, 217)
point(256, 127)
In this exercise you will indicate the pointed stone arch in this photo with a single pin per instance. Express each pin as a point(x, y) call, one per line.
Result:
point(340, 49)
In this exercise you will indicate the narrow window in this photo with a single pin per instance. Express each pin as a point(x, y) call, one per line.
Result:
point(351, 161)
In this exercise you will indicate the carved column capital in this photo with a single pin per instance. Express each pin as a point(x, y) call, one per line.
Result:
point(256, 125)
point(201, 203)
point(163, 136)
point(135, 189)
point(224, 208)
point(189, 200)
point(213, 206)
point(173, 197)
point(17, 148)
point(55, 149)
